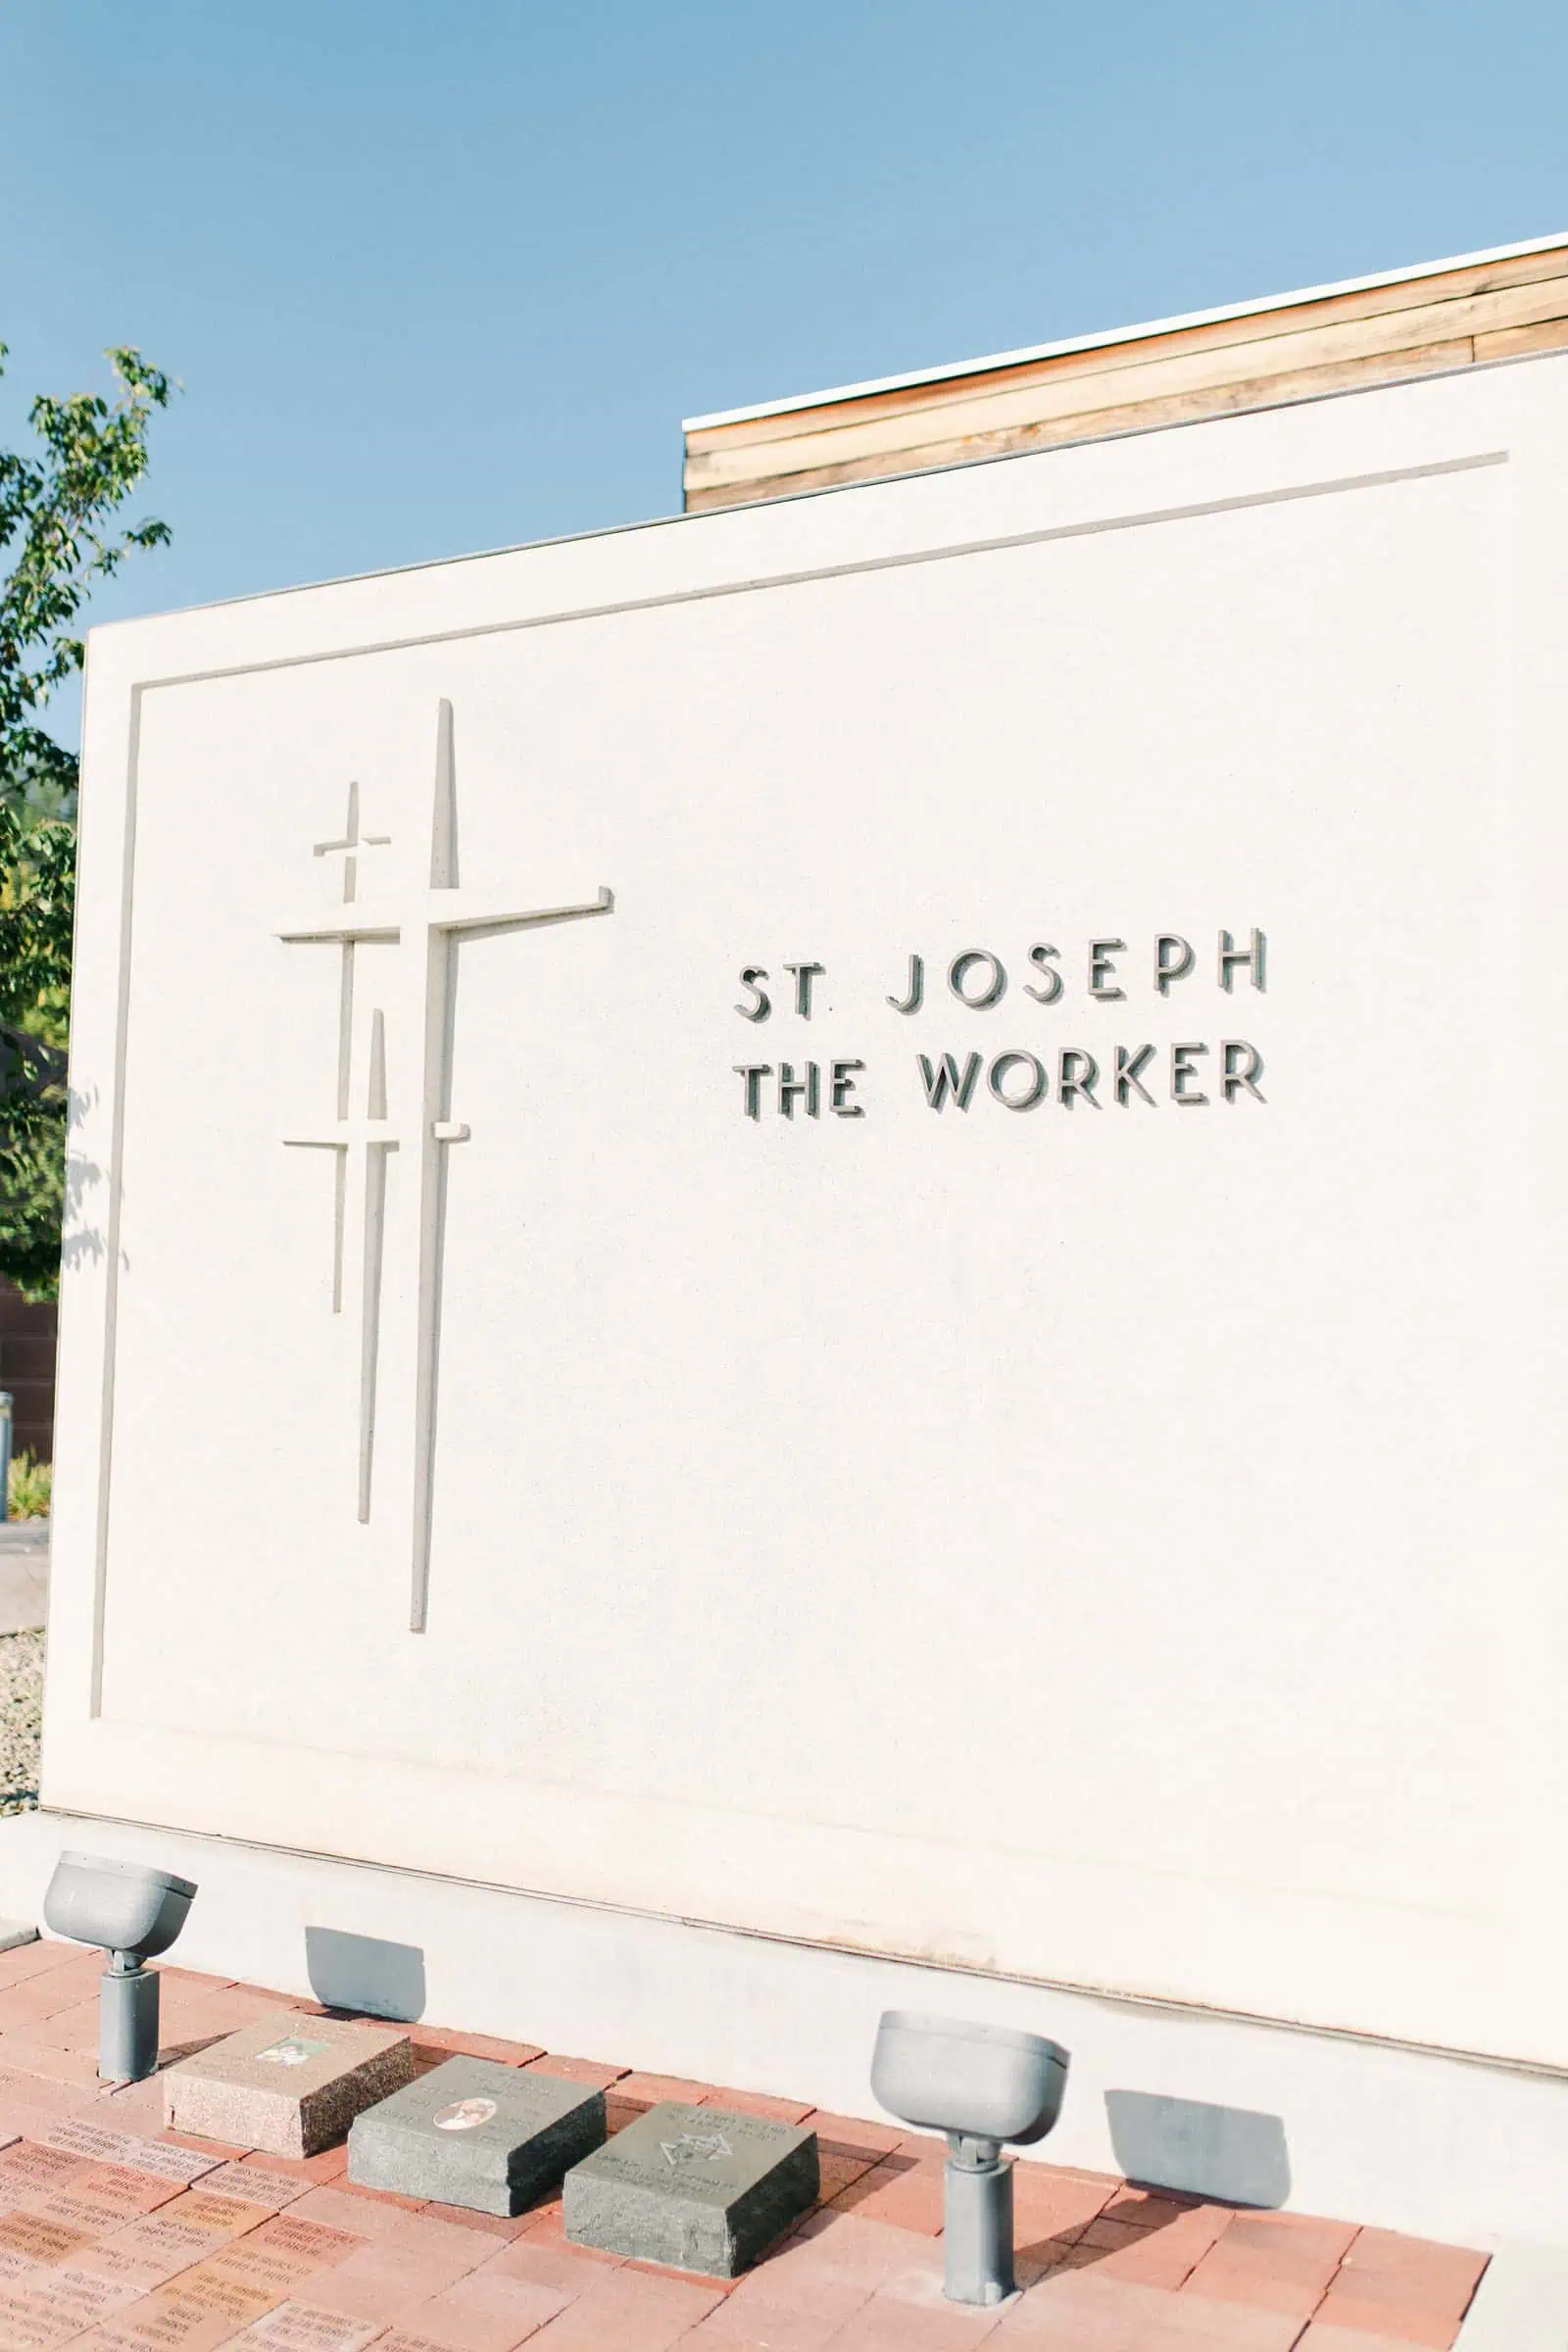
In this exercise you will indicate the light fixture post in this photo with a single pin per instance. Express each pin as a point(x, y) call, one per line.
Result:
point(127, 2020)
point(980, 2085)
point(976, 2222)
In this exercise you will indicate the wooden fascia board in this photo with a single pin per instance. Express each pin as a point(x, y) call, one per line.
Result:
point(1503, 301)
point(1135, 379)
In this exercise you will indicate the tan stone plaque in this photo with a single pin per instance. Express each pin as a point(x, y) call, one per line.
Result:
point(290, 2084)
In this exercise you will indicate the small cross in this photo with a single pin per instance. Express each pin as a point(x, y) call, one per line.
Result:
point(350, 846)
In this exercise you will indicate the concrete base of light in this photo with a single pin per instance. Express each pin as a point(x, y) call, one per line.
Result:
point(1445, 2147)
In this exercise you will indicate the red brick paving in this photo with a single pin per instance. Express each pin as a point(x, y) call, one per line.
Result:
point(475, 2045)
point(118, 2236)
point(591, 2071)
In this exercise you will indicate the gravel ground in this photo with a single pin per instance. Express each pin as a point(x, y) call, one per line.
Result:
point(21, 1717)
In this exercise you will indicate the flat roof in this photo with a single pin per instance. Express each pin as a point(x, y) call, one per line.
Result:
point(1120, 334)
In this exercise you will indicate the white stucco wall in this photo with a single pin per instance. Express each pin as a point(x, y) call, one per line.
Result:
point(1118, 1545)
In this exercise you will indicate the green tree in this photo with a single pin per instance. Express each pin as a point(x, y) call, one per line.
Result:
point(55, 512)
point(38, 876)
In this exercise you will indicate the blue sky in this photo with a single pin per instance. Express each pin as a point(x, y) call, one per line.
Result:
point(446, 274)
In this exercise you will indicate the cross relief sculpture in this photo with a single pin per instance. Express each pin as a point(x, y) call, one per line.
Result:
point(424, 923)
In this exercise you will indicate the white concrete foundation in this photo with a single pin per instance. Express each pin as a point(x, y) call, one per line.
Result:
point(1442, 2147)
point(1521, 2304)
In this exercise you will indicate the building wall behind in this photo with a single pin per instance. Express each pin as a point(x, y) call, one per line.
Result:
point(27, 1370)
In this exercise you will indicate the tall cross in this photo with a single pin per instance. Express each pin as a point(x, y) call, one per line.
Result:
point(425, 925)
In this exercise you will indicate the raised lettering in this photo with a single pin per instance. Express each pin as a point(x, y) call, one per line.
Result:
point(754, 1072)
point(996, 1079)
point(804, 974)
point(1069, 1085)
point(1173, 960)
point(1128, 1066)
point(1237, 1072)
point(842, 1087)
point(791, 1089)
point(958, 970)
point(1052, 979)
point(1232, 958)
point(944, 1080)
point(1183, 1067)
point(763, 1005)
point(916, 988)
point(1101, 968)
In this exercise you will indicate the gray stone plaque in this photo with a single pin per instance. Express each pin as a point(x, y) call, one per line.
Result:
point(699, 2188)
point(475, 2134)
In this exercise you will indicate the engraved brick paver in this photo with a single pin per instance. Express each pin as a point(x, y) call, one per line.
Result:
point(300, 2328)
point(116, 2235)
point(258, 2183)
point(104, 2196)
point(283, 2253)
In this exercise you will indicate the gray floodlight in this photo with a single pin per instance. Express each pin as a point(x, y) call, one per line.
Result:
point(132, 1913)
point(980, 2085)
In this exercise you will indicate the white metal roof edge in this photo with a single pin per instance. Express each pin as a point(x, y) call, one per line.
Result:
point(1120, 334)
